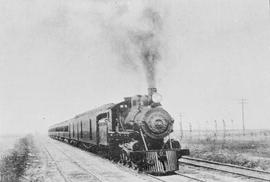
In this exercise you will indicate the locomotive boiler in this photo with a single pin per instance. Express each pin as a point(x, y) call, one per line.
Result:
point(135, 132)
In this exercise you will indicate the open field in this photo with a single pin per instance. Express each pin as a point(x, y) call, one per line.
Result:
point(7, 143)
point(250, 150)
point(43, 159)
point(18, 159)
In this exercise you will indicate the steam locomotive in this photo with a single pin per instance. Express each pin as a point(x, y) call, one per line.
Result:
point(135, 132)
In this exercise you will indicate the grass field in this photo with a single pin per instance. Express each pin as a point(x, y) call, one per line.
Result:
point(250, 150)
point(7, 143)
point(16, 158)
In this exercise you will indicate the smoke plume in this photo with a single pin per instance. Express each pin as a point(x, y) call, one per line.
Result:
point(148, 45)
point(136, 37)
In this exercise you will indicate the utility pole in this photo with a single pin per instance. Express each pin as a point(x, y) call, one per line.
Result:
point(224, 129)
point(181, 126)
point(190, 130)
point(243, 102)
point(199, 130)
point(215, 128)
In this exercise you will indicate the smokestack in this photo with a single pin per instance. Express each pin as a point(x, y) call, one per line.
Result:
point(151, 91)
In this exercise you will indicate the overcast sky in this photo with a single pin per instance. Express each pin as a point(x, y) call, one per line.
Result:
point(58, 58)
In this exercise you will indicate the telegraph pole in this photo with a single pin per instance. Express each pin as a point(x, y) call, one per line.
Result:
point(243, 102)
point(215, 128)
point(181, 126)
point(190, 130)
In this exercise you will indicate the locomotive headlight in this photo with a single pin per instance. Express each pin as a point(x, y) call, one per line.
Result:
point(156, 97)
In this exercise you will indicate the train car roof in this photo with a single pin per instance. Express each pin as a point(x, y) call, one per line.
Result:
point(97, 110)
point(59, 124)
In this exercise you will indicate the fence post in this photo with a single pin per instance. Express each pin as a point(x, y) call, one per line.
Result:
point(190, 130)
point(232, 132)
point(199, 130)
point(215, 122)
point(224, 131)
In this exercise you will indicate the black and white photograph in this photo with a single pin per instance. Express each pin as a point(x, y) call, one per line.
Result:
point(134, 90)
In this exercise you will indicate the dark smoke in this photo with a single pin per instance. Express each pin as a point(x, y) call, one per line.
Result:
point(148, 45)
point(139, 44)
point(148, 54)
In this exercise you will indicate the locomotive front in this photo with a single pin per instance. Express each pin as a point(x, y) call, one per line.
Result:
point(147, 115)
point(151, 147)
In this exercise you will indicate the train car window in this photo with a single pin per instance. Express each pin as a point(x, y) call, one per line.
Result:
point(90, 129)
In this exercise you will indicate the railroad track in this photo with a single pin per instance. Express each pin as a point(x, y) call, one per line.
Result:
point(97, 178)
point(66, 179)
point(190, 177)
point(159, 178)
point(168, 178)
point(227, 168)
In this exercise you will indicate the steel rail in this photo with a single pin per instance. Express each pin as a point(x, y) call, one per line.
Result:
point(156, 177)
point(152, 176)
point(186, 176)
point(223, 170)
point(190, 177)
point(224, 164)
point(57, 167)
point(118, 165)
point(77, 164)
